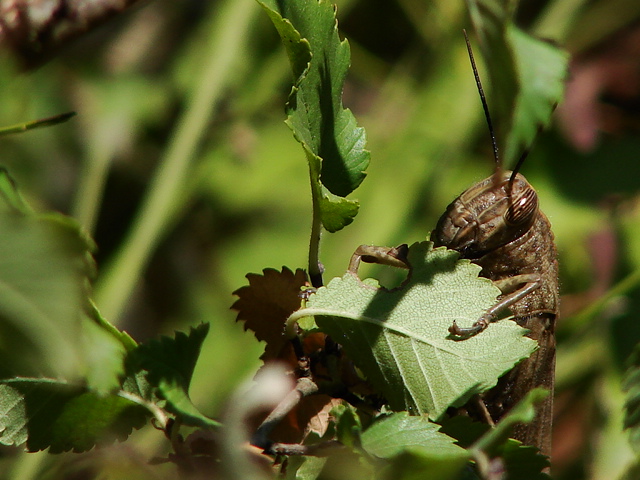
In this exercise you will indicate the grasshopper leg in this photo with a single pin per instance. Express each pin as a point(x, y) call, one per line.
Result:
point(393, 257)
point(513, 289)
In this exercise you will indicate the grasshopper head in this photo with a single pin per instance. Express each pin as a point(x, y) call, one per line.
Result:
point(487, 216)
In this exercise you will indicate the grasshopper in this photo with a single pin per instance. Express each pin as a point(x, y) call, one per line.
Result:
point(498, 225)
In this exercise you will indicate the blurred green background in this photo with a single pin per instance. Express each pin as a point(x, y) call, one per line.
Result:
point(181, 167)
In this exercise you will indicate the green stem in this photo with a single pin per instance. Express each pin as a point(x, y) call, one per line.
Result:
point(27, 466)
point(43, 122)
point(157, 412)
point(229, 32)
point(315, 267)
point(91, 187)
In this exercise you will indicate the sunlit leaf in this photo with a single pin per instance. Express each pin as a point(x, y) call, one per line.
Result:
point(330, 137)
point(400, 340)
point(413, 445)
point(400, 431)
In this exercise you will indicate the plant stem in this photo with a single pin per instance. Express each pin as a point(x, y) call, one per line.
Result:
point(304, 387)
point(157, 412)
point(28, 466)
point(91, 187)
point(43, 122)
point(229, 32)
point(315, 267)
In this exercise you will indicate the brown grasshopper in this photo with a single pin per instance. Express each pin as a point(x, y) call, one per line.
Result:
point(497, 224)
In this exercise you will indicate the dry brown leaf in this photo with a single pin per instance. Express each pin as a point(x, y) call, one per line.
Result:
point(319, 422)
point(311, 415)
point(266, 303)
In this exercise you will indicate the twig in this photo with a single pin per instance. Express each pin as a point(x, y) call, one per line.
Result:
point(322, 449)
point(304, 387)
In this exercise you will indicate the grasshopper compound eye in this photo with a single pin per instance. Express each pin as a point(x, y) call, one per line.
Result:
point(523, 208)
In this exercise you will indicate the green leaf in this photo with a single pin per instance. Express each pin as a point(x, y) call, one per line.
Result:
point(170, 363)
point(301, 467)
point(173, 359)
point(413, 464)
point(46, 306)
point(527, 74)
point(520, 461)
point(523, 462)
point(398, 432)
point(122, 337)
point(399, 338)
point(414, 446)
point(542, 69)
point(348, 425)
point(59, 416)
point(178, 402)
point(336, 212)
point(464, 429)
point(523, 412)
point(631, 385)
point(105, 351)
point(44, 270)
point(136, 383)
point(330, 137)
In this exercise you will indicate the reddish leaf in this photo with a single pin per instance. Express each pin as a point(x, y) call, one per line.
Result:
point(311, 415)
point(319, 420)
point(266, 303)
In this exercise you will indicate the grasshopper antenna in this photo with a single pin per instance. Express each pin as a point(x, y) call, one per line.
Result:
point(516, 169)
point(485, 107)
